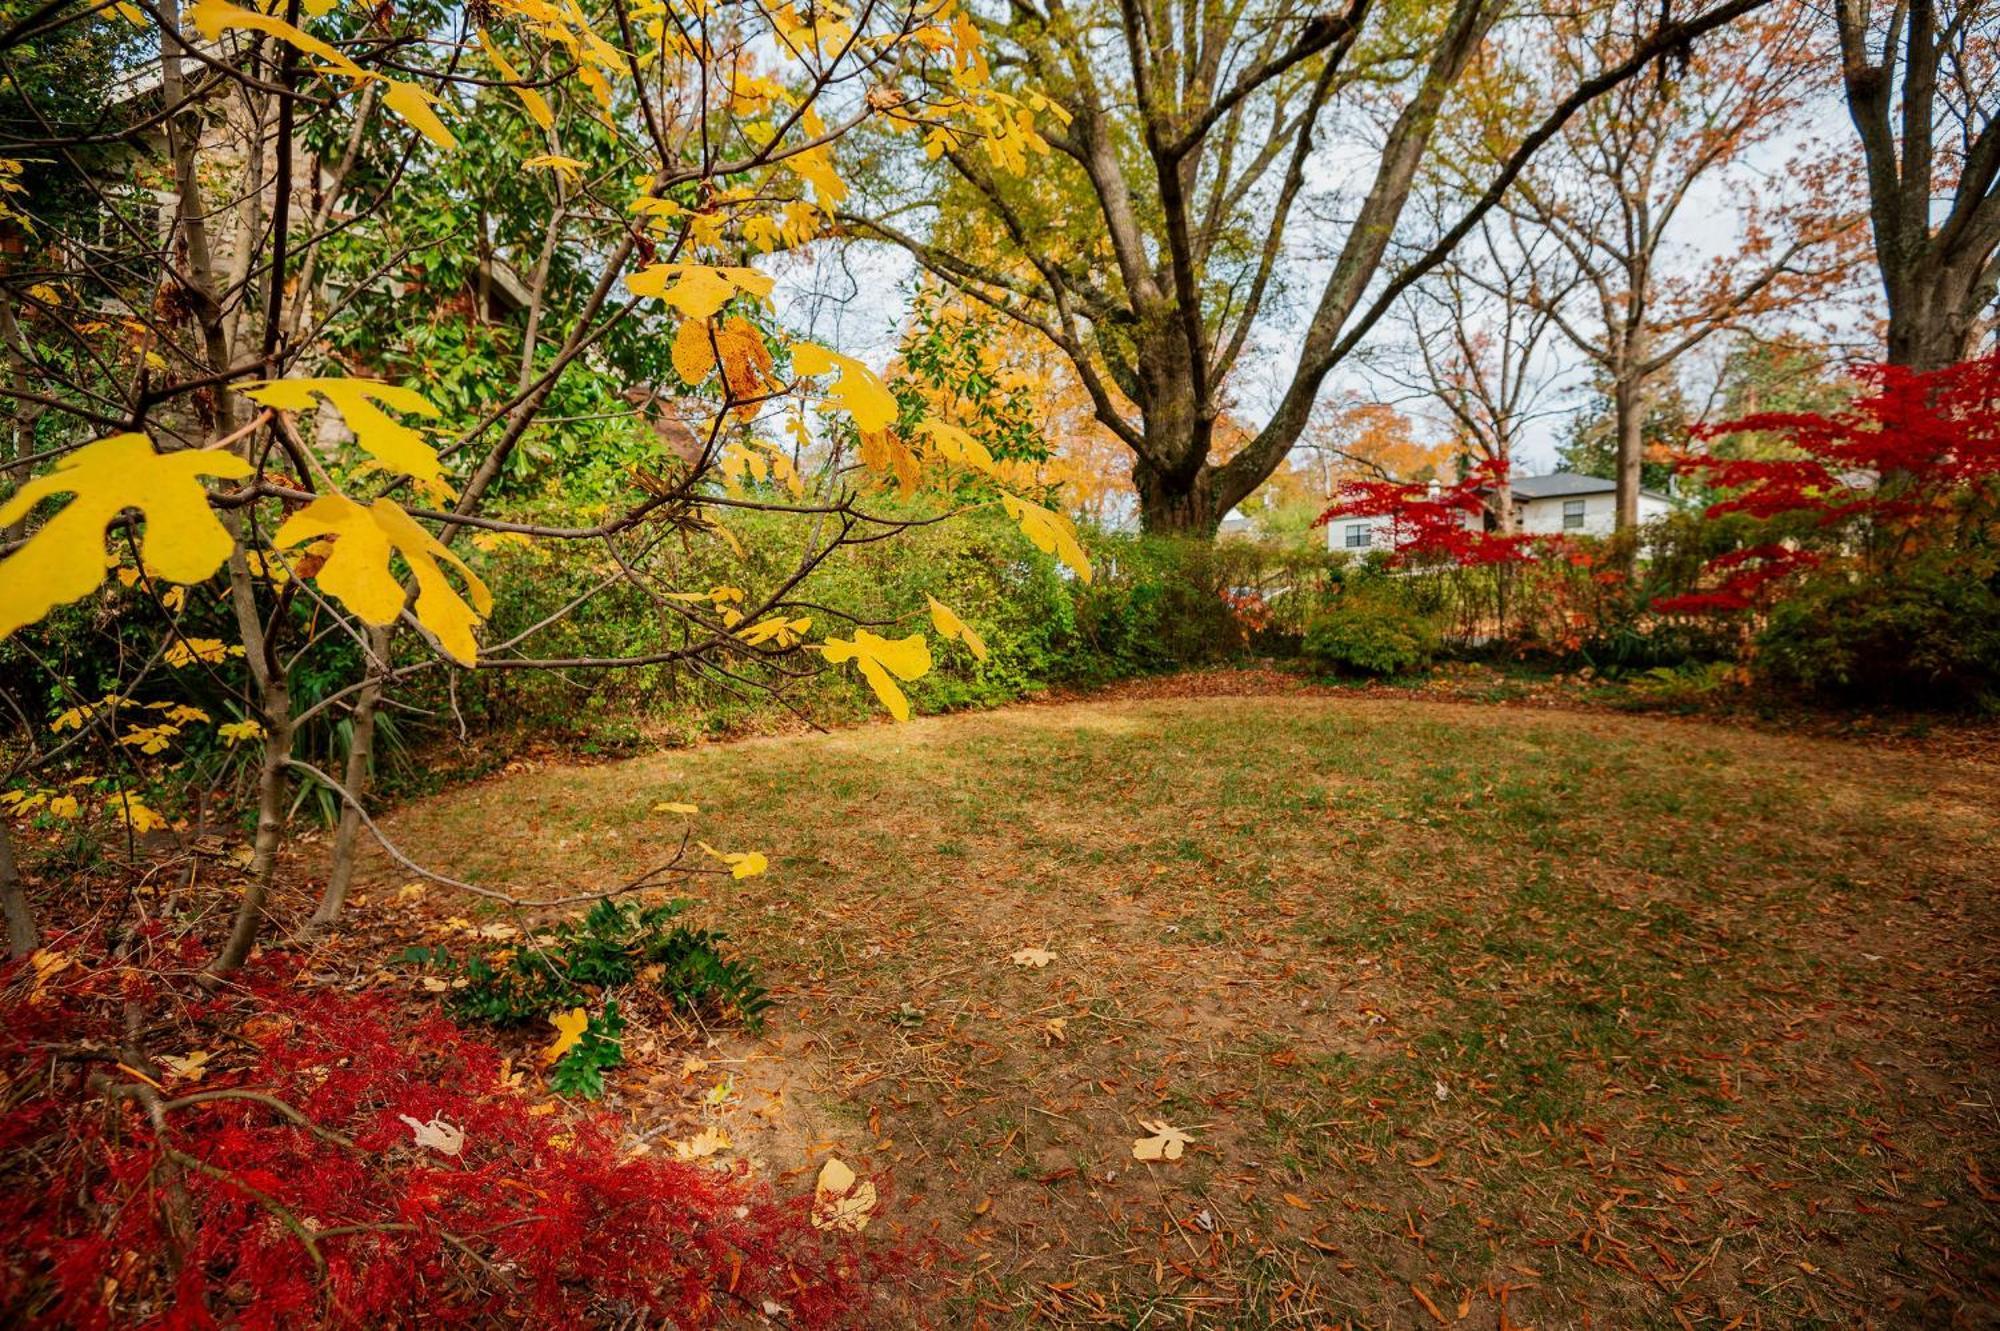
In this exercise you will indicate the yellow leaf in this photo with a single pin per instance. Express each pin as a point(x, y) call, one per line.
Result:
point(183, 652)
point(569, 1031)
point(357, 573)
point(702, 1145)
point(538, 105)
point(388, 440)
point(1166, 1143)
point(235, 732)
point(1051, 533)
point(880, 658)
point(187, 1067)
point(64, 560)
point(841, 1201)
point(64, 806)
point(742, 864)
point(955, 445)
point(671, 806)
point(694, 353)
point(567, 167)
point(413, 102)
point(697, 290)
point(211, 17)
point(859, 391)
point(951, 626)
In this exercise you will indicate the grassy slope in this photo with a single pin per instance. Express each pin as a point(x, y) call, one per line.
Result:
point(1557, 1019)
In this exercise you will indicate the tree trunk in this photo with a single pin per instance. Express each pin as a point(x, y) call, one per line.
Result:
point(357, 779)
point(272, 788)
point(1934, 313)
point(22, 935)
point(1176, 504)
point(1628, 404)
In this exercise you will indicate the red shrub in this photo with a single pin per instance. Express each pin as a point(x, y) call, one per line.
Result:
point(177, 1204)
point(1895, 474)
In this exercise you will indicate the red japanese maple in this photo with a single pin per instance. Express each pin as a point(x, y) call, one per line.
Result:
point(1898, 472)
point(285, 1189)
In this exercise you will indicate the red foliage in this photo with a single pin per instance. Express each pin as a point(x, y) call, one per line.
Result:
point(543, 1220)
point(1896, 463)
point(1429, 523)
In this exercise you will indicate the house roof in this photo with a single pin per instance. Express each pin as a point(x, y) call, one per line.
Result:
point(1567, 485)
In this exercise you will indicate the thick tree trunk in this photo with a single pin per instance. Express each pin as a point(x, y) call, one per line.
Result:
point(1934, 314)
point(1177, 504)
point(22, 935)
point(1628, 406)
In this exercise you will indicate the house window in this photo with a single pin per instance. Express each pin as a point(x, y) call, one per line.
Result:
point(1572, 513)
point(1357, 536)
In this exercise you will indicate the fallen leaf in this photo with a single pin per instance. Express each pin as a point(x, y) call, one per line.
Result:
point(840, 1201)
point(1166, 1143)
point(1428, 1160)
point(671, 806)
point(1033, 956)
point(188, 1067)
point(569, 1030)
point(703, 1144)
point(438, 1135)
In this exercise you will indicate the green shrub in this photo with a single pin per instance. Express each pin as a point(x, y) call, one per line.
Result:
point(1367, 632)
point(1931, 637)
point(616, 945)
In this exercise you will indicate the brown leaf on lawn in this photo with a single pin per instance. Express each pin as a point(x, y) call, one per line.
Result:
point(1428, 1160)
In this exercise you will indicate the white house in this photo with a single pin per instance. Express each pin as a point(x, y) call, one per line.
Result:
point(1562, 503)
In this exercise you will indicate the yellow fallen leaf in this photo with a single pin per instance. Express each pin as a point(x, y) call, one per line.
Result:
point(187, 1067)
point(1166, 1143)
point(703, 1144)
point(840, 1200)
point(569, 1032)
point(671, 806)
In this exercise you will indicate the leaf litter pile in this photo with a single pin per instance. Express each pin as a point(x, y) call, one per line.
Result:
point(1316, 1012)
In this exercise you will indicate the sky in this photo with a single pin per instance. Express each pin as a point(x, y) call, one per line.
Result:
point(855, 295)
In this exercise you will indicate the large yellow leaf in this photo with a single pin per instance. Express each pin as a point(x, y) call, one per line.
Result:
point(408, 100)
point(64, 560)
point(694, 354)
point(881, 658)
point(955, 445)
point(538, 105)
point(695, 289)
point(951, 626)
point(392, 443)
point(1051, 532)
point(858, 389)
point(357, 573)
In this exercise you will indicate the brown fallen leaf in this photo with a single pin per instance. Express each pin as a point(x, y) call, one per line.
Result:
point(1430, 1307)
point(1428, 1160)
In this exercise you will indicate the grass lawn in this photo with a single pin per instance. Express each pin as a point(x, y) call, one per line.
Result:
point(1476, 1016)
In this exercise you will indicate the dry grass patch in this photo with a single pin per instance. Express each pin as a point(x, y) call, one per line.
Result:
point(1474, 1015)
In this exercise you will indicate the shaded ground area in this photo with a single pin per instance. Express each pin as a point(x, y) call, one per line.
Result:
point(1476, 1016)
